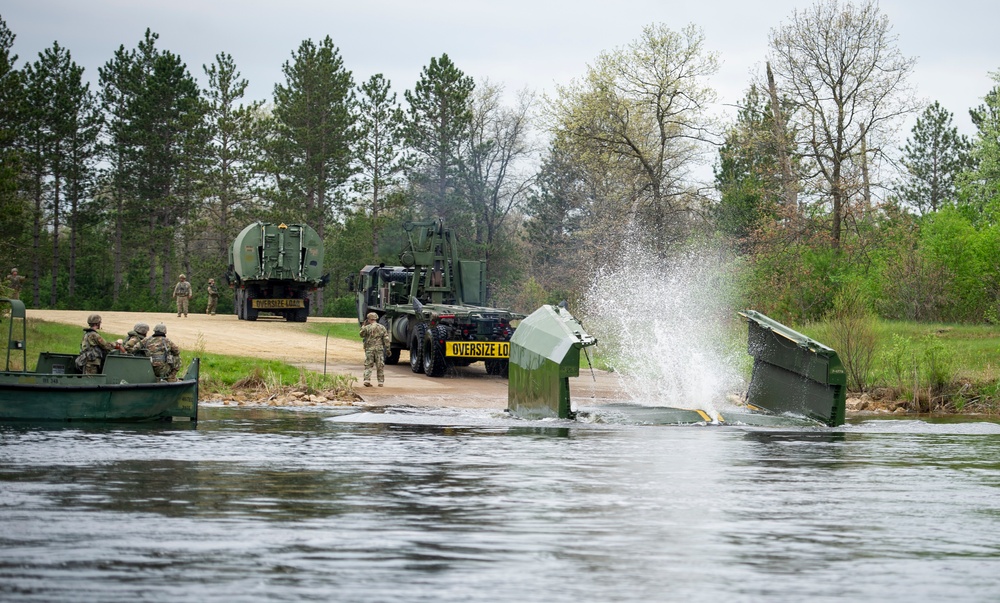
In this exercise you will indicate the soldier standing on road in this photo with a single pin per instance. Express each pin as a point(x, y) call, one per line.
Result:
point(376, 340)
point(93, 348)
point(136, 337)
point(182, 293)
point(163, 353)
point(213, 297)
point(16, 282)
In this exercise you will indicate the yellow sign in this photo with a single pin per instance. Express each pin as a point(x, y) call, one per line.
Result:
point(277, 304)
point(477, 349)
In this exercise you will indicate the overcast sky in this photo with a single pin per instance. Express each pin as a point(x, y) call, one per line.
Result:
point(517, 43)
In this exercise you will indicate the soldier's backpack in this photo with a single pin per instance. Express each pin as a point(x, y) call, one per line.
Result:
point(90, 354)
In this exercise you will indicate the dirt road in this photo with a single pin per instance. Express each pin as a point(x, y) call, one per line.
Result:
point(273, 338)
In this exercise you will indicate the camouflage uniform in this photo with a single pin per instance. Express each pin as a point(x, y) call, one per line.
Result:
point(93, 348)
point(135, 339)
point(213, 297)
point(182, 293)
point(163, 353)
point(16, 282)
point(376, 340)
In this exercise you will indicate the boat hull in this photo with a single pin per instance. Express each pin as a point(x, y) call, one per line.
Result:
point(27, 396)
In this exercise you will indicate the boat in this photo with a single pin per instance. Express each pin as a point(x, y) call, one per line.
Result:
point(126, 390)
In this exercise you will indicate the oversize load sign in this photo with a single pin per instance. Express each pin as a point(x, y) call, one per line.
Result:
point(273, 304)
point(477, 349)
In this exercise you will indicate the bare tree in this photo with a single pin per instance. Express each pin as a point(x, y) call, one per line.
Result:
point(496, 152)
point(641, 112)
point(840, 67)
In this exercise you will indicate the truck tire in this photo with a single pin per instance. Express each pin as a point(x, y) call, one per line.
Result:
point(298, 315)
point(434, 360)
point(497, 366)
point(416, 349)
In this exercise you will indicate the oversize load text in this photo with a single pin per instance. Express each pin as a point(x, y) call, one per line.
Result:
point(269, 304)
point(477, 349)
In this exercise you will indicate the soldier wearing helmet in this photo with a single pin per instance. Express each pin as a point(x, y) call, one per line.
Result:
point(376, 340)
point(135, 337)
point(182, 293)
point(163, 353)
point(15, 282)
point(93, 348)
point(213, 297)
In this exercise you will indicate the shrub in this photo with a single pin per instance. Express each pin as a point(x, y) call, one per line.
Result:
point(854, 334)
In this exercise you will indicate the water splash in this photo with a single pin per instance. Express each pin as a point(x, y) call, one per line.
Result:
point(661, 326)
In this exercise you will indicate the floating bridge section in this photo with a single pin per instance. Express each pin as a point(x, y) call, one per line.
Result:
point(544, 354)
point(793, 373)
point(795, 380)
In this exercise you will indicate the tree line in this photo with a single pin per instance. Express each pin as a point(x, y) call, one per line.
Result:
point(106, 195)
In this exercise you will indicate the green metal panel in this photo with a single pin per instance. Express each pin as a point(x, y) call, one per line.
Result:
point(544, 353)
point(311, 249)
point(17, 326)
point(264, 251)
point(473, 282)
point(793, 373)
point(245, 261)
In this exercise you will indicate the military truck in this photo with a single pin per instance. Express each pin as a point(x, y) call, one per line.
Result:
point(273, 268)
point(430, 304)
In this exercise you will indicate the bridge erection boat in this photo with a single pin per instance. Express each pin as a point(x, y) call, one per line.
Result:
point(126, 390)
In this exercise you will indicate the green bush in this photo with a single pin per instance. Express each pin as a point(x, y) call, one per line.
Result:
point(342, 307)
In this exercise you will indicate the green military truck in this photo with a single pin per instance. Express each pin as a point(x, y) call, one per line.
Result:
point(430, 304)
point(273, 268)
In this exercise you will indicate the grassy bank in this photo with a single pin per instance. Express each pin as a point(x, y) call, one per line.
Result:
point(339, 330)
point(934, 367)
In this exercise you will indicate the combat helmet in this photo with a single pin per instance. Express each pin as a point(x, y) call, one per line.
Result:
point(141, 328)
point(94, 319)
point(160, 329)
point(372, 316)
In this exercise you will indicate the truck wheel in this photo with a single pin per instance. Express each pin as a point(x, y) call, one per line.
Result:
point(434, 361)
point(393, 357)
point(416, 347)
point(497, 367)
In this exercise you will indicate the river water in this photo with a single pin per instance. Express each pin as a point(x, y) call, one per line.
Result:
point(447, 505)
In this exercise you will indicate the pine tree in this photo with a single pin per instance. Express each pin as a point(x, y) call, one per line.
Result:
point(438, 120)
point(980, 185)
point(934, 156)
point(314, 132)
point(169, 140)
point(117, 84)
point(748, 176)
point(557, 214)
point(232, 155)
point(13, 210)
point(65, 127)
point(156, 149)
point(379, 152)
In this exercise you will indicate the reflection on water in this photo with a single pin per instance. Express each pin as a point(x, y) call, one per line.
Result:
point(446, 505)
